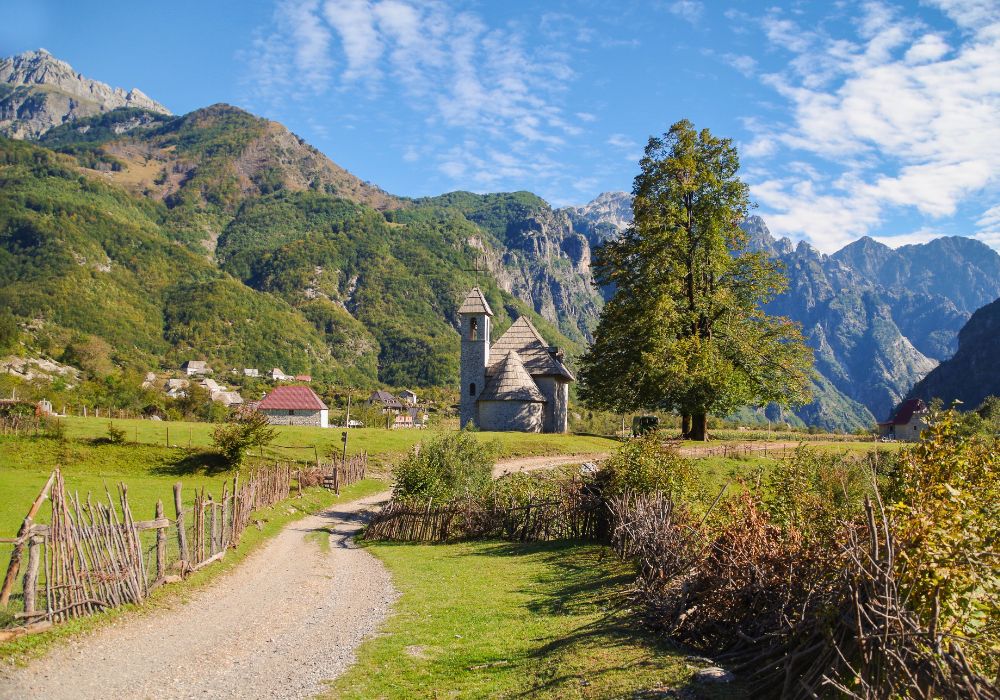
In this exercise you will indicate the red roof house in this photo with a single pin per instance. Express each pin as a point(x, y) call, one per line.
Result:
point(295, 405)
point(907, 423)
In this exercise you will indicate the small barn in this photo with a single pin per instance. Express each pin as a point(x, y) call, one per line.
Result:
point(907, 423)
point(295, 405)
point(193, 367)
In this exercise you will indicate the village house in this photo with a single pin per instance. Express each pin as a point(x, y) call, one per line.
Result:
point(408, 397)
point(211, 385)
point(295, 405)
point(176, 388)
point(907, 423)
point(278, 376)
point(193, 367)
point(251, 372)
point(227, 398)
point(303, 378)
point(402, 420)
point(386, 401)
point(519, 383)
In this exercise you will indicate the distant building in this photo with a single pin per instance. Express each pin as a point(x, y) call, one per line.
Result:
point(402, 420)
point(176, 388)
point(518, 383)
point(408, 397)
point(211, 385)
point(278, 376)
point(907, 423)
point(303, 378)
point(295, 405)
point(251, 372)
point(386, 401)
point(193, 367)
point(227, 398)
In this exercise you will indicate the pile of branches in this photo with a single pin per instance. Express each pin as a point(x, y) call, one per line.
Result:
point(796, 615)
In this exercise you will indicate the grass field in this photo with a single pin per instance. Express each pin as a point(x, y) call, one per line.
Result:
point(300, 442)
point(494, 619)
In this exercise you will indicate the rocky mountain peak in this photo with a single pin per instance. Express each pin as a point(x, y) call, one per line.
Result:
point(38, 91)
point(612, 209)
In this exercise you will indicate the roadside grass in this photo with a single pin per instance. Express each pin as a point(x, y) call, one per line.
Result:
point(495, 619)
point(273, 519)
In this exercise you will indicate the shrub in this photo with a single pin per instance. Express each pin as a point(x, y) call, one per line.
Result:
point(446, 466)
point(644, 465)
point(116, 436)
point(234, 440)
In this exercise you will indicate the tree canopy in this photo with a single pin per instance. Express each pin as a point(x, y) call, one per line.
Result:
point(685, 330)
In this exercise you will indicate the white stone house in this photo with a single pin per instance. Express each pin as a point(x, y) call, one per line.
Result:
point(251, 372)
point(278, 376)
point(193, 367)
point(519, 383)
point(408, 397)
point(295, 405)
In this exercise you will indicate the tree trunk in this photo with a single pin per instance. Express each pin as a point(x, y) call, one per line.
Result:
point(686, 426)
point(699, 427)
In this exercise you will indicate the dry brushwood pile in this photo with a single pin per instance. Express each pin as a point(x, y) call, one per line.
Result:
point(874, 600)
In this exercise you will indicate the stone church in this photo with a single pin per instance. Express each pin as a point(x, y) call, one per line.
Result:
point(518, 383)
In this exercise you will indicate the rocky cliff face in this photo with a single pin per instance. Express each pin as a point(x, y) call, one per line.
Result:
point(974, 372)
point(38, 92)
point(608, 214)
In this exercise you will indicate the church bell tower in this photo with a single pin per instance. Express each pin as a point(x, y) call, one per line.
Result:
point(475, 315)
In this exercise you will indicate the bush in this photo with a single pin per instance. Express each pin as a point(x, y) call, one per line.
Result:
point(644, 465)
point(116, 436)
point(234, 440)
point(447, 466)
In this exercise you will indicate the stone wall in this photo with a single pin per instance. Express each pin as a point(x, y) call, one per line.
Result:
point(523, 416)
point(282, 417)
point(556, 393)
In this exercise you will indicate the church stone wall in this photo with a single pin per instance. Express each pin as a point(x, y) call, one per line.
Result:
point(556, 393)
point(475, 355)
point(523, 416)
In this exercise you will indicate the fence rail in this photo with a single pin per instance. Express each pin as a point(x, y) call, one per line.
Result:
point(574, 512)
point(93, 555)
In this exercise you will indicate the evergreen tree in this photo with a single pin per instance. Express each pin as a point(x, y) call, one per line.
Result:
point(685, 330)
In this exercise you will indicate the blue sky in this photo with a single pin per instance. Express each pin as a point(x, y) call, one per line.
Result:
point(852, 118)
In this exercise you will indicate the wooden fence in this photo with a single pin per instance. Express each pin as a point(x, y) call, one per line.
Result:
point(575, 512)
point(336, 474)
point(93, 555)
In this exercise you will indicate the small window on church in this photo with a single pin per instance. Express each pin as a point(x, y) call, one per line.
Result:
point(472, 389)
point(473, 328)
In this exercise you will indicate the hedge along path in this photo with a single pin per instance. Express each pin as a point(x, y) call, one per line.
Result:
point(278, 625)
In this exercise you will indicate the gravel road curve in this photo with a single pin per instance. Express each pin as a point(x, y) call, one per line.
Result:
point(277, 626)
point(528, 464)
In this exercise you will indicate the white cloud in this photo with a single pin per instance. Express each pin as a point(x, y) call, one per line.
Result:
point(901, 118)
point(494, 86)
point(688, 10)
point(913, 238)
point(744, 64)
point(989, 227)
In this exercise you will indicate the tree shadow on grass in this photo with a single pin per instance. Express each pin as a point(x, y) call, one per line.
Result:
point(583, 578)
point(202, 462)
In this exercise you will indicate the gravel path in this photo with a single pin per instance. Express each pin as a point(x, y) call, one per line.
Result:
point(527, 464)
point(277, 626)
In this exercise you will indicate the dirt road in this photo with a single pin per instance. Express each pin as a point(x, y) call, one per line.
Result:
point(527, 464)
point(277, 626)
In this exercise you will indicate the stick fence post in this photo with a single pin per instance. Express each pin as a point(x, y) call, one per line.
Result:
point(161, 544)
point(182, 542)
point(31, 574)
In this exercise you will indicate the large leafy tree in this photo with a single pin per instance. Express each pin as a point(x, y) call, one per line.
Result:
point(685, 330)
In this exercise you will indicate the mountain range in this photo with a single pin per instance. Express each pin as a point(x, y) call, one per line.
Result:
point(152, 238)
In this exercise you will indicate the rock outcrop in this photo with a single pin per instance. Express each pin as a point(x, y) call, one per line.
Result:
point(39, 92)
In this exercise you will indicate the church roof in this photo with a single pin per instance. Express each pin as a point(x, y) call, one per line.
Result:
point(475, 303)
point(511, 382)
point(538, 357)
